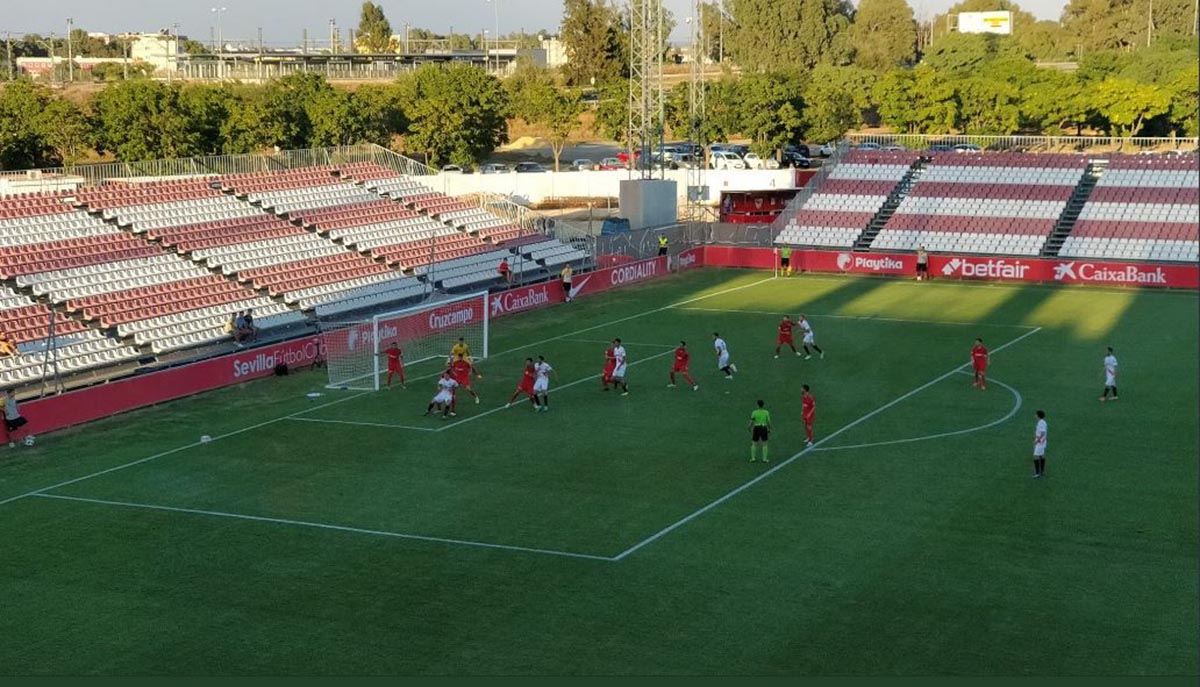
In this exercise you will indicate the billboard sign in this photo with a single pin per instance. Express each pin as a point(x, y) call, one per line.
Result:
point(985, 22)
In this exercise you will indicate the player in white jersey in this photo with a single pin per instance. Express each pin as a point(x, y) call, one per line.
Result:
point(618, 374)
point(1039, 445)
point(541, 385)
point(722, 350)
point(444, 398)
point(1110, 376)
point(809, 338)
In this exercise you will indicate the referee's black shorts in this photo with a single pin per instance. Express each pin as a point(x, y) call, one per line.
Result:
point(759, 433)
point(922, 267)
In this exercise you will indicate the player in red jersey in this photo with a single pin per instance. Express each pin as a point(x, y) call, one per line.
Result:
point(785, 336)
point(461, 370)
point(808, 410)
point(395, 364)
point(979, 359)
point(526, 385)
point(610, 365)
point(682, 357)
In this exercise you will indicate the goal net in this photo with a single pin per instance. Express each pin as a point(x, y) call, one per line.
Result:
point(354, 350)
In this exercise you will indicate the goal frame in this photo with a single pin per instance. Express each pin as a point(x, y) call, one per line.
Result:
point(377, 366)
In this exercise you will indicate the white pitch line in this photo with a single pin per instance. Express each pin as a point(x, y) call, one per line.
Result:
point(867, 318)
point(624, 343)
point(557, 388)
point(1017, 402)
point(357, 395)
point(326, 526)
point(713, 504)
point(361, 424)
point(177, 449)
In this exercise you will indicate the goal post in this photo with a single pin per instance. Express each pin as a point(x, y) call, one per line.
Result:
point(354, 350)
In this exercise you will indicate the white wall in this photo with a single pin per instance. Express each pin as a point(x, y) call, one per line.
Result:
point(536, 188)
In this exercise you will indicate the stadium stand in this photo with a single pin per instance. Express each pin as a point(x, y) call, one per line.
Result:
point(988, 203)
point(300, 266)
point(1142, 208)
point(848, 200)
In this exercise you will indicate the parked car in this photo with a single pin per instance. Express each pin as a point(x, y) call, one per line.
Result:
point(724, 159)
point(453, 169)
point(753, 161)
point(800, 149)
point(611, 163)
point(529, 168)
point(869, 145)
point(582, 164)
point(827, 149)
point(797, 160)
point(941, 148)
point(967, 148)
point(494, 168)
point(894, 147)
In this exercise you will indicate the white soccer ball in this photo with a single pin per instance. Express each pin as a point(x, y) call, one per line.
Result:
point(205, 439)
point(29, 440)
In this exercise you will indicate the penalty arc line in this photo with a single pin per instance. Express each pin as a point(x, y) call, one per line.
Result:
point(326, 526)
point(720, 500)
point(1017, 403)
point(259, 425)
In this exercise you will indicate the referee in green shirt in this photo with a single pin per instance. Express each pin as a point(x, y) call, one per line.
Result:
point(760, 430)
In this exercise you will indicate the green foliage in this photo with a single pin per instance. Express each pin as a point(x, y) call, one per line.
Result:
point(1126, 105)
point(966, 54)
point(711, 28)
point(769, 34)
point(143, 120)
point(884, 34)
point(33, 127)
point(769, 106)
point(374, 32)
point(989, 106)
point(205, 108)
point(193, 47)
point(612, 112)
point(456, 113)
point(536, 97)
point(595, 41)
point(836, 100)
point(1122, 24)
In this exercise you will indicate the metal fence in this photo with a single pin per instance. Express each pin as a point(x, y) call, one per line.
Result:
point(92, 174)
point(1031, 143)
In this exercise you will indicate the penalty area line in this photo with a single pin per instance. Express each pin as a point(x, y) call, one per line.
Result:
point(865, 318)
point(327, 526)
point(800, 454)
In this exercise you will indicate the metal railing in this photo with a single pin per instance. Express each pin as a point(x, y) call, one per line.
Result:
point(76, 176)
point(814, 185)
point(1031, 143)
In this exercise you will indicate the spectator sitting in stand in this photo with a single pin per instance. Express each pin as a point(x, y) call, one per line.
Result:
point(8, 347)
point(505, 271)
point(239, 328)
point(248, 325)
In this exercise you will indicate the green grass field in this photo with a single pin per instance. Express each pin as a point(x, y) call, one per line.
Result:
point(631, 535)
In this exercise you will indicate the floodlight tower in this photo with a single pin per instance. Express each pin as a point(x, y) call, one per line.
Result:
point(646, 111)
point(697, 191)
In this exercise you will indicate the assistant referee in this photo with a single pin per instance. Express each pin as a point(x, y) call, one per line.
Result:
point(760, 430)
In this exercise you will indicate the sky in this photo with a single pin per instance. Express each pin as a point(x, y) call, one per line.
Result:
point(283, 21)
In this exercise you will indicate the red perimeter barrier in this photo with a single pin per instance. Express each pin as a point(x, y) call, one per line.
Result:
point(1059, 270)
point(93, 403)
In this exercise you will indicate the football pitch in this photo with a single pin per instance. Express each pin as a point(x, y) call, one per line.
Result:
point(351, 534)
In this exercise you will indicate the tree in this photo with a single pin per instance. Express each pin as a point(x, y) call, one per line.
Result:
point(918, 100)
point(767, 34)
point(205, 108)
point(457, 114)
point(966, 54)
point(884, 34)
point(192, 47)
point(1126, 105)
point(988, 106)
point(1185, 101)
point(374, 31)
point(337, 119)
point(1056, 102)
point(769, 106)
point(593, 36)
point(23, 141)
point(65, 130)
point(712, 26)
point(1122, 24)
point(836, 100)
point(142, 120)
point(536, 98)
point(384, 111)
point(612, 111)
